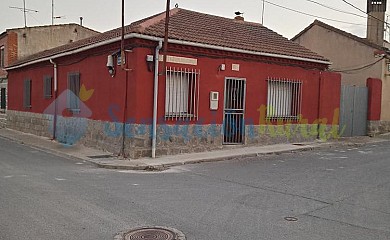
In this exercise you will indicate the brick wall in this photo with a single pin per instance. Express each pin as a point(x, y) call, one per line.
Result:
point(3, 43)
point(12, 47)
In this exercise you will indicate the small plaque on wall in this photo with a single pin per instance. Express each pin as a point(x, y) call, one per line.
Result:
point(236, 67)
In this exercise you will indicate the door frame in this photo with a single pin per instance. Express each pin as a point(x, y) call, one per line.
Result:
point(243, 131)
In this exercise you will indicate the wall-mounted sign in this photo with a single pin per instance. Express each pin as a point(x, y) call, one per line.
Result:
point(179, 60)
point(236, 67)
point(119, 59)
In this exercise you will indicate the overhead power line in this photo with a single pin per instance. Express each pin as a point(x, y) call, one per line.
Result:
point(350, 4)
point(311, 15)
point(335, 9)
point(352, 70)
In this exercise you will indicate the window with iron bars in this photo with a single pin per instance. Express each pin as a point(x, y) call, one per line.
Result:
point(284, 101)
point(182, 94)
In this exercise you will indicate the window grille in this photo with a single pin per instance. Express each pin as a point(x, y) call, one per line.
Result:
point(182, 94)
point(284, 99)
point(27, 93)
point(47, 86)
point(73, 100)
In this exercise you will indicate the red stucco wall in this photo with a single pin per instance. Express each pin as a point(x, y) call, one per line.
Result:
point(330, 91)
point(374, 99)
point(108, 100)
point(256, 74)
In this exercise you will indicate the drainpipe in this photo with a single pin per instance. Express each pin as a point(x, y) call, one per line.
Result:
point(154, 134)
point(319, 105)
point(55, 99)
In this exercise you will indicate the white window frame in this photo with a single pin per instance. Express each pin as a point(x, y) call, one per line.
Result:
point(284, 99)
point(182, 94)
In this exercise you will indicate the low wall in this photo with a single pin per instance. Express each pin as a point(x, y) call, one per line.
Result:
point(34, 123)
point(378, 127)
point(171, 139)
point(289, 133)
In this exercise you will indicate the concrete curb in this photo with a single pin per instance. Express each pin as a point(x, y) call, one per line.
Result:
point(156, 167)
point(137, 165)
point(161, 167)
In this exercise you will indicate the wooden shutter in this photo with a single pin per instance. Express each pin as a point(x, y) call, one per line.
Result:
point(47, 87)
point(74, 88)
point(27, 94)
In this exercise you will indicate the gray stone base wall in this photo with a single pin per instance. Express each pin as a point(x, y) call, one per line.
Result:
point(171, 139)
point(289, 133)
point(107, 136)
point(378, 127)
point(34, 123)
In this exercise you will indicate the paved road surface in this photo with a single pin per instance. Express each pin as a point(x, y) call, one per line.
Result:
point(341, 193)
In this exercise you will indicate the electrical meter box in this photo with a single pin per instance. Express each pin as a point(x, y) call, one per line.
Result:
point(214, 98)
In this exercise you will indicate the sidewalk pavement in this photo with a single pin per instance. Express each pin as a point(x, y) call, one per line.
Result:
point(108, 160)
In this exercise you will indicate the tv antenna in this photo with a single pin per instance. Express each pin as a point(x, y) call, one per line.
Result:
point(262, 13)
point(52, 14)
point(25, 10)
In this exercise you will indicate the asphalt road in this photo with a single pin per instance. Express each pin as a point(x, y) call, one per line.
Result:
point(341, 193)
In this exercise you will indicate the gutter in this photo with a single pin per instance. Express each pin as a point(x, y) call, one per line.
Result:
point(157, 39)
point(155, 100)
point(55, 98)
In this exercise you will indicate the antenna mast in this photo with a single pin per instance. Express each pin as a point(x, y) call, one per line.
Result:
point(262, 13)
point(52, 12)
point(25, 10)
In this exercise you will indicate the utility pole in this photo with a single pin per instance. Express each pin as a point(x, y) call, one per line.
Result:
point(166, 34)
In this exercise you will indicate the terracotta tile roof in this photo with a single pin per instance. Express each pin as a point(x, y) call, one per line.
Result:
point(339, 31)
point(201, 28)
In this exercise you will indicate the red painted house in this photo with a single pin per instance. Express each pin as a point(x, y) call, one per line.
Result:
point(226, 81)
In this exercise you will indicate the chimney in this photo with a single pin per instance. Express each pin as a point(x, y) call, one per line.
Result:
point(376, 10)
point(239, 16)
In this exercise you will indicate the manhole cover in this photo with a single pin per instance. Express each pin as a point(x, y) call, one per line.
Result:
point(153, 233)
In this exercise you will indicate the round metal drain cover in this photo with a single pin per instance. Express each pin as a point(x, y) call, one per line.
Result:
point(153, 233)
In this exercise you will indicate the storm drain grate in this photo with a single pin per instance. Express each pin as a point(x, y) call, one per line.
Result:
point(154, 233)
point(100, 156)
point(299, 144)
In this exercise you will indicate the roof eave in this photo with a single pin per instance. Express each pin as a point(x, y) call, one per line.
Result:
point(303, 31)
point(180, 42)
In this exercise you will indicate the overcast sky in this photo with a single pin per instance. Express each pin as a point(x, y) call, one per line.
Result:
point(103, 15)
